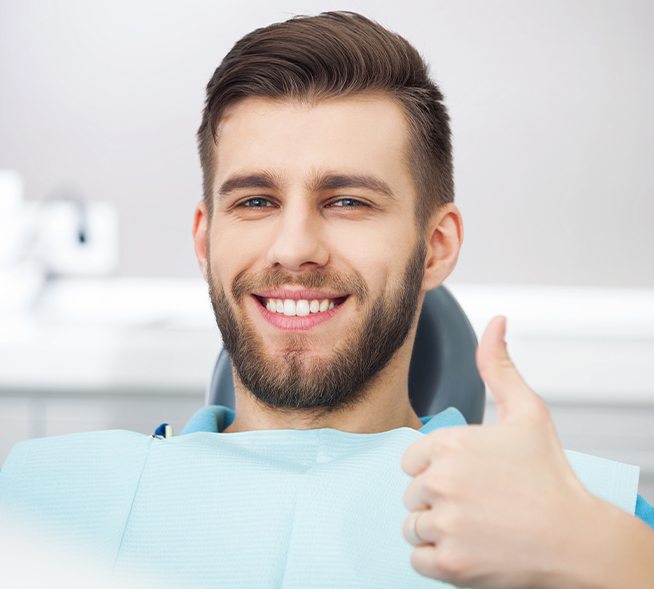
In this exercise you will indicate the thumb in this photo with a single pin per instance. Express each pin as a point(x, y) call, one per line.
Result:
point(512, 394)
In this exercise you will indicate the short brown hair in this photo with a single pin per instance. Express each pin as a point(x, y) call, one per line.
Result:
point(335, 54)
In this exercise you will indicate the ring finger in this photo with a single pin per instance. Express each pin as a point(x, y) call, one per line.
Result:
point(414, 529)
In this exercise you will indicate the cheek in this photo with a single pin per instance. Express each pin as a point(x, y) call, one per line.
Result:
point(374, 265)
point(378, 255)
point(231, 251)
point(387, 234)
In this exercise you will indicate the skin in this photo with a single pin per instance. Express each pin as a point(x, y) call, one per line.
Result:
point(536, 532)
point(307, 231)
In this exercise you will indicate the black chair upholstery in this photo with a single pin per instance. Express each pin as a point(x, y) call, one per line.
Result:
point(443, 371)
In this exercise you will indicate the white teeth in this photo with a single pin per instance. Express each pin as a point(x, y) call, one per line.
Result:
point(299, 308)
point(302, 308)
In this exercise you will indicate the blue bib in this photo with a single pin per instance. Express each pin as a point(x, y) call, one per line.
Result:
point(287, 509)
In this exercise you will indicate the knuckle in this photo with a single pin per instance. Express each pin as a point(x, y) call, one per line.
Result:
point(428, 527)
point(409, 460)
point(409, 456)
point(432, 485)
point(451, 520)
point(438, 483)
point(412, 494)
point(443, 564)
point(505, 363)
point(451, 565)
point(425, 563)
point(452, 439)
point(540, 412)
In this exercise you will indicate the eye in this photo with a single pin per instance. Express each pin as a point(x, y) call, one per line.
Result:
point(256, 202)
point(348, 203)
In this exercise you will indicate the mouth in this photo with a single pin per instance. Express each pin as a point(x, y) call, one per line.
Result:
point(299, 307)
point(298, 310)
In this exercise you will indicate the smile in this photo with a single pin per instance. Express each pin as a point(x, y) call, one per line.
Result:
point(298, 310)
point(301, 307)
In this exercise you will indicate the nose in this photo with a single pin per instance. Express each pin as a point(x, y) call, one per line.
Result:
point(298, 243)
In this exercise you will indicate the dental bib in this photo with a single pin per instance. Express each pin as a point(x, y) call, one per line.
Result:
point(286, 509)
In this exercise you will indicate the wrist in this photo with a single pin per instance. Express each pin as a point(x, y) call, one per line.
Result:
point(573, 544)
point(605, 548)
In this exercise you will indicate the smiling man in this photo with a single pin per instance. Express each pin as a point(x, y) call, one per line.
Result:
point(317, 259)
point(328, 208)
point(327, 215)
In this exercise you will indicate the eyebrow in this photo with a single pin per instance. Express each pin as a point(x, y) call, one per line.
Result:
point(336, 181)
point(240, 181)
point(320, 182)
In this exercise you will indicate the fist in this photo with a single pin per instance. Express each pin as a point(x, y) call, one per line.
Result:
point(494, 505)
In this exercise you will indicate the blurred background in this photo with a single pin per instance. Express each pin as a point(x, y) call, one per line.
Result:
point(105, 321)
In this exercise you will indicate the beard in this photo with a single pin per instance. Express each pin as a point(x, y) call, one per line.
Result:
point(328, 383)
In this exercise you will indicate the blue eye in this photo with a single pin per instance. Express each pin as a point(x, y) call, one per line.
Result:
point(348, 203)
point(256, 203)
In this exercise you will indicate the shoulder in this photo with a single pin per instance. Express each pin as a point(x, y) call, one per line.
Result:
point(58, 452)
point(79, 486)
point(645, 511)
point(60, 467)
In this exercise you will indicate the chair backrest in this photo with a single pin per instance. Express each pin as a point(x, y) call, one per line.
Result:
point(443, 371)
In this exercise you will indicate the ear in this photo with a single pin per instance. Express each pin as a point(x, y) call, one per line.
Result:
point(200, 236)
point(445, 236)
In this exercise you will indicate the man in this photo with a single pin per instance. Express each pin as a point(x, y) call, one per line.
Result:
point(327, 214)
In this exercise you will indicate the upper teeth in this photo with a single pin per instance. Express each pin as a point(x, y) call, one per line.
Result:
point(299, 307)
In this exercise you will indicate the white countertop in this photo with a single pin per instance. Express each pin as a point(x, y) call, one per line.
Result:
point(113, 335)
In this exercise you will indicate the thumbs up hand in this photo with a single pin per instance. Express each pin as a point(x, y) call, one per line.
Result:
point(496, 506)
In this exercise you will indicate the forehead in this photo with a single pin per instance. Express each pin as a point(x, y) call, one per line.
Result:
point(359, 134)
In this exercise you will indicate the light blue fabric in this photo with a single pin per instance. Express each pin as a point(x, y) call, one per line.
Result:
point(216, 418)
point(274, 508)
point(645, 511)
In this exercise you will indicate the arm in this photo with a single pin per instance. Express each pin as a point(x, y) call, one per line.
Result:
point(615, 551)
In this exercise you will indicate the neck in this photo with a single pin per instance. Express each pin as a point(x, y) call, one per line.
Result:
point(384, 406)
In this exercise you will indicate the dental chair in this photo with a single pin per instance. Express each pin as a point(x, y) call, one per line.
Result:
point(443, 371)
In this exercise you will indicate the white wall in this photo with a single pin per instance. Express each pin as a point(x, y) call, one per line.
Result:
point(550, 101)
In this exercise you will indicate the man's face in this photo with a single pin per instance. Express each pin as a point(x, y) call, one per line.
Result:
point(314, 262)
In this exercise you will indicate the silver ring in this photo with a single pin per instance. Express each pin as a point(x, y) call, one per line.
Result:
point(413, 532)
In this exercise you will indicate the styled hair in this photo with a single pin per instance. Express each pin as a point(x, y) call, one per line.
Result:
point(330, 55)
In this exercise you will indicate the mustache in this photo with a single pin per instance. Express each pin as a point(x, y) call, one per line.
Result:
point(246, 283)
